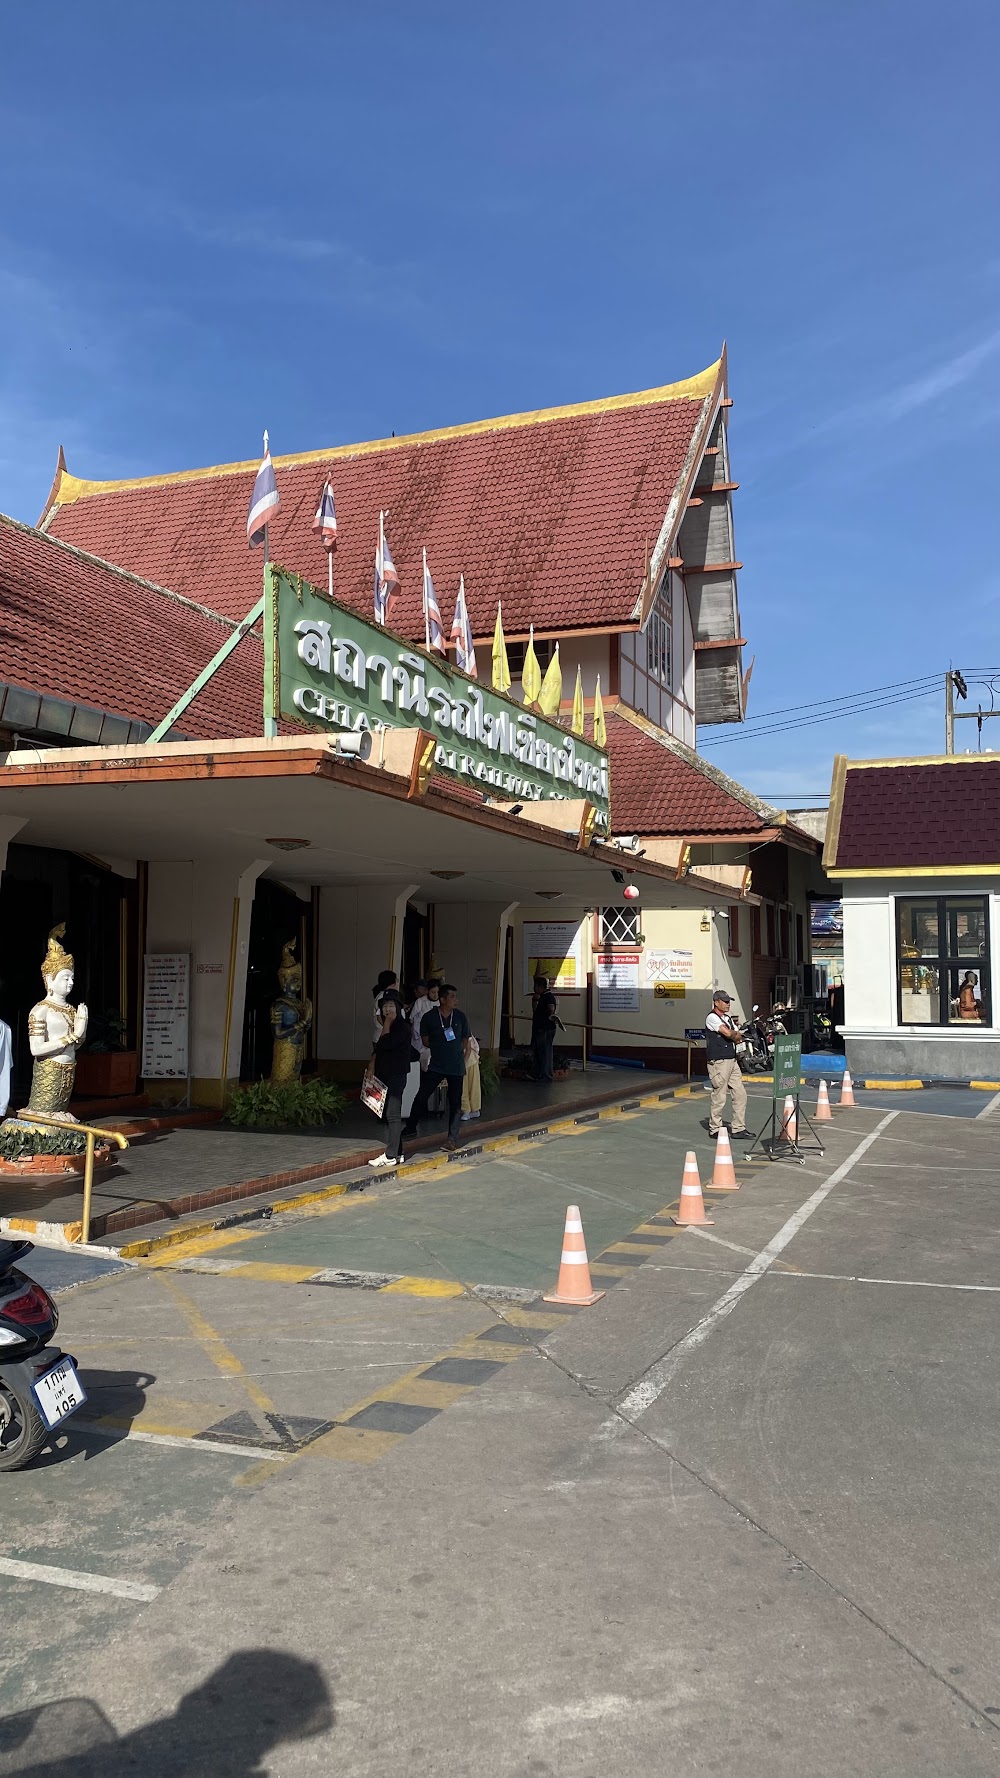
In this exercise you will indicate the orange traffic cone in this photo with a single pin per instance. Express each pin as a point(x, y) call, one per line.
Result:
point(724, 1173)
point(574, 1284)
point(823, 1114)
point(691, 1209)
point(788, 1120)
point(847, 1089)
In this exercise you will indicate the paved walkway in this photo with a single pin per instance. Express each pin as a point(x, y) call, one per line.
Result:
point(186, 1168)
point(739, 1517)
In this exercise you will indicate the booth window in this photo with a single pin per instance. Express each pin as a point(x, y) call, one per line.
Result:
point(619, 926)
point(734, 932)
point(943, 960)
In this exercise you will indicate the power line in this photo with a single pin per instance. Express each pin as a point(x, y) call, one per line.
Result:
point(846, 698)
point(781, 728)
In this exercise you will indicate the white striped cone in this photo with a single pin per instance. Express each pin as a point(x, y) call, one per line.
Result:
point(823, 1113)
point(691, 1209)
point(789, 1132)
point(724, 1173)
point(847, 1089)
point(574, 1285)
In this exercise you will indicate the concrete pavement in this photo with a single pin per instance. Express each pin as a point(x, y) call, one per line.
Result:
point(658, 1535)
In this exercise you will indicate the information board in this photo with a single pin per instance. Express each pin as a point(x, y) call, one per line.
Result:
point(166, 1002)
point(617, 981)
point(553, 948)
point(787, 1063)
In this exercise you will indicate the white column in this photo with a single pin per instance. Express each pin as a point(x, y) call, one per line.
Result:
point(360, 933)
point(204, 907)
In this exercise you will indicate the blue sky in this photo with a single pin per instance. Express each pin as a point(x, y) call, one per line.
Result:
point(341, 220)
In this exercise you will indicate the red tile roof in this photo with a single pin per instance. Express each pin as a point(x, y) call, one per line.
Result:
point(552, 512)
point(661, 787)
point(76, 628)
point(900, 815)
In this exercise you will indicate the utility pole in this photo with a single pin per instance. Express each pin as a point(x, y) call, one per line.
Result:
point(949, 713)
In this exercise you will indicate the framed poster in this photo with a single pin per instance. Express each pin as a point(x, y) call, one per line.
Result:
point(669, 966)
point(553, 948)
point(166, 1002)
point(617, 981)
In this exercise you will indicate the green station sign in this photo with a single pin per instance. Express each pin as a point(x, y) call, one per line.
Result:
point(787, 1063)
point(330, 669)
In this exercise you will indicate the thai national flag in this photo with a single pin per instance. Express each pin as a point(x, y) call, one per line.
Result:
point(386, 577)
point(264, 501)
point(325, 521)
point(461, 634)
point(433, 622)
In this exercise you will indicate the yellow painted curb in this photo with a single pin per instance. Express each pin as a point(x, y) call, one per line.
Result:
point(57, 1234)
point(892, 1086)
point(985, 1086)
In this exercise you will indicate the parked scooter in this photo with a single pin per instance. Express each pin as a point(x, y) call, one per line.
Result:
point(39, 1386)
point(751, 1048)
point(774, 1027)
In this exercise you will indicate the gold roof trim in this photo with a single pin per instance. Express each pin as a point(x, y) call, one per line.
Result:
point(70, 488)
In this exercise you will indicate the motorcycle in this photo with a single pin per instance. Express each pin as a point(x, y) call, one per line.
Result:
point(39, 1385)
point(773, 1027)
point(751, 1047)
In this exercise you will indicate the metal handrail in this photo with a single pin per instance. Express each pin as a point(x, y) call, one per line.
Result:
point(91, 1132)
point(592, 1025)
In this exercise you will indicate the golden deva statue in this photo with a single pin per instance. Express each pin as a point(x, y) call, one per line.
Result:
point(55, 1032)
point(291, 1018)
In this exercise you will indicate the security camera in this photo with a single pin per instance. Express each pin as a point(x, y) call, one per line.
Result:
point(354, 746)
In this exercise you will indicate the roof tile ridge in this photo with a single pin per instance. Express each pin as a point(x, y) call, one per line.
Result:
point(151, 586)
point(687, 389)
point(682, 751)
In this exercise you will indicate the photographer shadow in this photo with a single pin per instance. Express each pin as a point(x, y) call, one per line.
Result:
point(224, 1728)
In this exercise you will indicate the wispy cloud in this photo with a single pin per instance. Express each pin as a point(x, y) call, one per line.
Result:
point(353, 278)
point(940, 380)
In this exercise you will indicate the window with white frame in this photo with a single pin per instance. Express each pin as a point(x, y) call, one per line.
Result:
point(658, 643)
point(620, 926)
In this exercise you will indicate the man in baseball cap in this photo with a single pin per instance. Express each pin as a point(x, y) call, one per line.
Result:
point(721, 1034)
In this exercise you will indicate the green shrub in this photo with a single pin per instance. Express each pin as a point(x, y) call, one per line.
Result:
point(19, 1145)
point(296, 1104)
point(489, 1073)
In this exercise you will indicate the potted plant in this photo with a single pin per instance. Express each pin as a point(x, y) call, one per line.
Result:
point(105, 1068)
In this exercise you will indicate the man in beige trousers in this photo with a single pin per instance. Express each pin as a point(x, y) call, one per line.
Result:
point(721, 1035)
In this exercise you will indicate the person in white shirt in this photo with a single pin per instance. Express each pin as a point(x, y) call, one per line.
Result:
point(426, 997)
point(721, 1034)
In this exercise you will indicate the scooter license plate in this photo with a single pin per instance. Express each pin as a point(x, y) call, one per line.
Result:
point(59, 1393)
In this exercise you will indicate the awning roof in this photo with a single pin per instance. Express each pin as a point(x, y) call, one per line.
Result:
point(235, 799)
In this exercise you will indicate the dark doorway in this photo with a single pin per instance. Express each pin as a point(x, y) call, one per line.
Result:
point(278, 915)
point(416, 946)
point(38, 889)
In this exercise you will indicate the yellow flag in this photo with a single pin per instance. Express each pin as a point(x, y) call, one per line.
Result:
point(550, 696)
point(501, 665)
point(577, 723)
point(600, 729)
point(531, 676)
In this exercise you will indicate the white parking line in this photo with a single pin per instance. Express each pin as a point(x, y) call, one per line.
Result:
point(651, 1386)
point(79, 1580)
point(905, 1283)
point(183, 1443)
point(989, 1108)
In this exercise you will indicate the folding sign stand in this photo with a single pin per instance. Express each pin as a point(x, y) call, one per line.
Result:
point(773, 1139)
point(780, 1147)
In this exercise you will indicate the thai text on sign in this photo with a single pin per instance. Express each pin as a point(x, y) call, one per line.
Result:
point(333, 670)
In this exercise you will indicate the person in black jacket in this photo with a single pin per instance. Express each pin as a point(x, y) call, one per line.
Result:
point(391, 1063)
